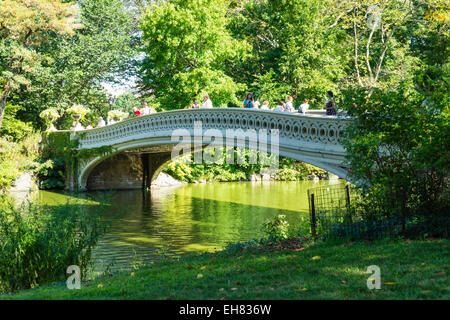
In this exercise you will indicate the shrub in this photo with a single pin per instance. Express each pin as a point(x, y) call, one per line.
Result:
point(38, 243)
point(12, 127)
point(17, 157)
point(277, 228)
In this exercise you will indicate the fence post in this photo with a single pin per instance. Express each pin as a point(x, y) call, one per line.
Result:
point(347, 194)
point(347, 200)
point(313, 218)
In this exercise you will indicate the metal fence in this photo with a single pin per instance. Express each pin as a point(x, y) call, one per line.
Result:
point(329, 206)
point(334, 214)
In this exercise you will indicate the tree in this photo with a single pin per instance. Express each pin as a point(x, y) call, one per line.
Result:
point(291, 44)
point(102, 51)
point(380, 35)
point(24, 26)
point(188, 46)
point(126, 102)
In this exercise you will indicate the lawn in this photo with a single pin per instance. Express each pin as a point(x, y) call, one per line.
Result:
point(409, 270)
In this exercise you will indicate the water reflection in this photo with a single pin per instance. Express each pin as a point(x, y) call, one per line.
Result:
point(190, 218)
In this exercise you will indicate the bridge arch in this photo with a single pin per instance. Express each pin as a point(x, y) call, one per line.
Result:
point(313, 139)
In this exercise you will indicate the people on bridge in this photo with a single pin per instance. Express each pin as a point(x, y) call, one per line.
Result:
point(280, 107)
point(304, 107)
point(289, 107)
point(77, 126)
point(331, 105)
point(265, 105)
point(146, 109)
point(207, 103)
point(256, 105)
point(101, 122)
point(137, 112)
point(195, 104)
point(248, 102)
point(89, 126)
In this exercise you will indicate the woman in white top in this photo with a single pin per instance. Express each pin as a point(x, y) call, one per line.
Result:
point(207, 102)
point(265, 105)
point(145, 109)
point(304, 107)
point(256, 105)
point(101, 122)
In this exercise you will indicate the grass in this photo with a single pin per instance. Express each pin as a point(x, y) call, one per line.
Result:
point(409, 270)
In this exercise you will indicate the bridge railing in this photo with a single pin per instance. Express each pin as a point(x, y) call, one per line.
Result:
point(293, 127)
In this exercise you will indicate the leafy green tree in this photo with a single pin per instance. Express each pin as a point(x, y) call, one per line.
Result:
point(126, 102)
point(25, 26)
point(381, 35)
point(102, 51)
point(12, 127)
point(292, 47)
point(188, 46)
point(398, 152)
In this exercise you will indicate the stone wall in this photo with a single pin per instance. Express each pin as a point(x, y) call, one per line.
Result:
point(120, 172)
point(125, 171)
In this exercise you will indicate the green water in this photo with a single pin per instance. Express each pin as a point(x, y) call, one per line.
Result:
point(190, 218)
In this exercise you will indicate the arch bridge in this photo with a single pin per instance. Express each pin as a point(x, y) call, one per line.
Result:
point(141, 146)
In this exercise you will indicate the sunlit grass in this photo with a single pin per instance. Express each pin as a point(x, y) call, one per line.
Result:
point(409, 270)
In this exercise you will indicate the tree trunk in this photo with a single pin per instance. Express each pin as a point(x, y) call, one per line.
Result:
point(2, 111)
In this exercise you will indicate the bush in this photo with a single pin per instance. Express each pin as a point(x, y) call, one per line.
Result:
point(51, 174)
point(290, 170)
point(17, 157)
point(38, 243)
point(8, 173)
point(12, 127)
point(277, 228)
point(400, 177)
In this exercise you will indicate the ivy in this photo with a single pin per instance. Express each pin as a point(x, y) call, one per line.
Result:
point(58, 148)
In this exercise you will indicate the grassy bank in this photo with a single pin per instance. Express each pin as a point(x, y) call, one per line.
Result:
point(409, 270)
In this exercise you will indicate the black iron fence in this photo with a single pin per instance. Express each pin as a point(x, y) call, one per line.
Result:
point(336, 212)
point(329, 206)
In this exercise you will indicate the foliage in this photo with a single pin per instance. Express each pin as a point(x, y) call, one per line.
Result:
point(277, 228)
point(126, 102)
point(38, 243)
point(58, 158)
point(184, 169)
point(49, 115)
point(78, 110)
point(407, 176)
point(52, 174)
point(75, 68)
point(188, 45)
point(13, 128)
point(117, 115)
point(17, 157)
point(267, 87)
point(25, 26)
point(293, 50)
